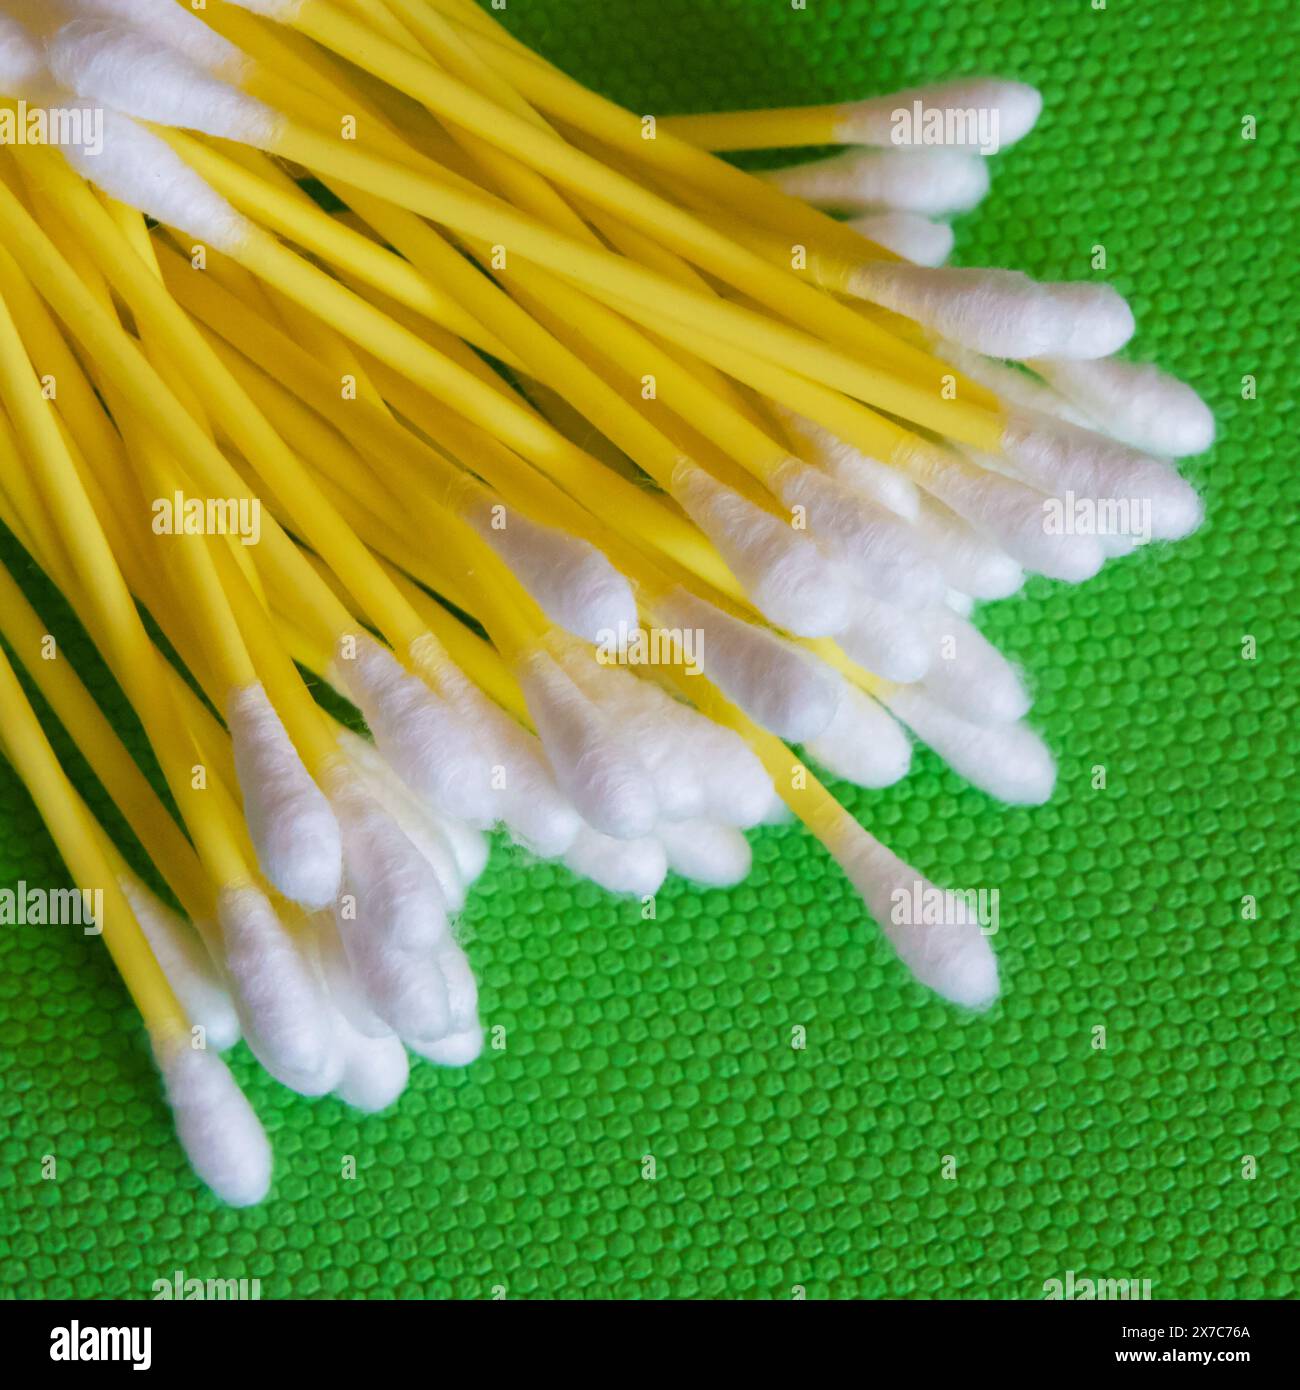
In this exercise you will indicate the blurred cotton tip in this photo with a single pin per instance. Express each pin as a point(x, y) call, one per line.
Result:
point(575, 585)
point(637, 867)
point(22, 64)
point(717, 856)
point(597, 767)
point(906, 234)
point(222, 1137)
point(1133, 493)
point(141, 75)
point(285, 1015)
point(970, 676)
point(971, 561)
point(892, 643)
point(289, 819)
point(455, 1050)
point(1015, 516)
point(789, 580)
point(179, 29)
point(787, 691)
point(938, 935)
point(1008, 761)
point(185, 961)
point(880, 550)
point(854, 469)
point(1002, 313)
point(930, 182)
point(375, 1071)
point(974, 113)
point(863, 745)
point(1136, 403)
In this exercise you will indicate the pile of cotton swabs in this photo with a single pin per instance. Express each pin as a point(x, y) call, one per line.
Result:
point(471, 342)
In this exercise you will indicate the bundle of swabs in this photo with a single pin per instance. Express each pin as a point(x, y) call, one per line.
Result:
point(593, 471)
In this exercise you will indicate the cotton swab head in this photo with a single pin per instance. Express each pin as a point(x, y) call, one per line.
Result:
point(636, 867)
point(907, 234)
point(717, 856)
point(22, 64)
point(375, 1071)
point(186, 963)
point(970, 676)
point(891, 643)
point(879, 549)
point(971, 561)
point(953, 958)
point(289, 819)
point(1135, 402)
point(455, 1050)
point(1057, 456)
point(790, 581)
point(1002, 313)
point(596, 766)
point(930, 182)
point(284, 1014)
point(178, 28)
point(863, 745)
point(1008, 761)
point(222, 1137)
point(574, 583)
point(783, 689)
point(996, 113)
point(853, 468)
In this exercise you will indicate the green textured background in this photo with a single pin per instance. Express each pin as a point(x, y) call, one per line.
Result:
point(1120, 908)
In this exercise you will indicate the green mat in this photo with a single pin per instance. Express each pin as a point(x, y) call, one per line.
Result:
point(824, 1168)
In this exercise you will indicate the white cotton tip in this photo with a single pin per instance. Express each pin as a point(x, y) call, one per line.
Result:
point(889, 642)
point(391, 915)
point(597, 767)
point(285, 1016)
point(863, 744)
point(375, 1071)
point(738, 790)
point(408, 812)
point(879, 549)
point(1007, 761)
point(1013, 385)
point(785, 575)
point(1135, 402)
point(929, 182)
point(970, 676)
point(222, 1137)
point(915, 238)
point(961, 604)
point(185, 961)
point(971, 561)
point(143, 76)
point(574, 584)
point(976, 113)
point(469, 848)
point(177, 27)
point(140, 169)
point(851, 467)
point(345, 991)
point(22, 64)
point(1015, 516)
point(426, 741)
point(952, 955)
point(787, 691)
point(1002, 313)
point(716, 856)
point(289, 819)
point(455, 1050)
point(637, 867)
point(1142, 496)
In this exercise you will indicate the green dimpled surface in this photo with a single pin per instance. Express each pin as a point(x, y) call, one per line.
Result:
point(1121, 908)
